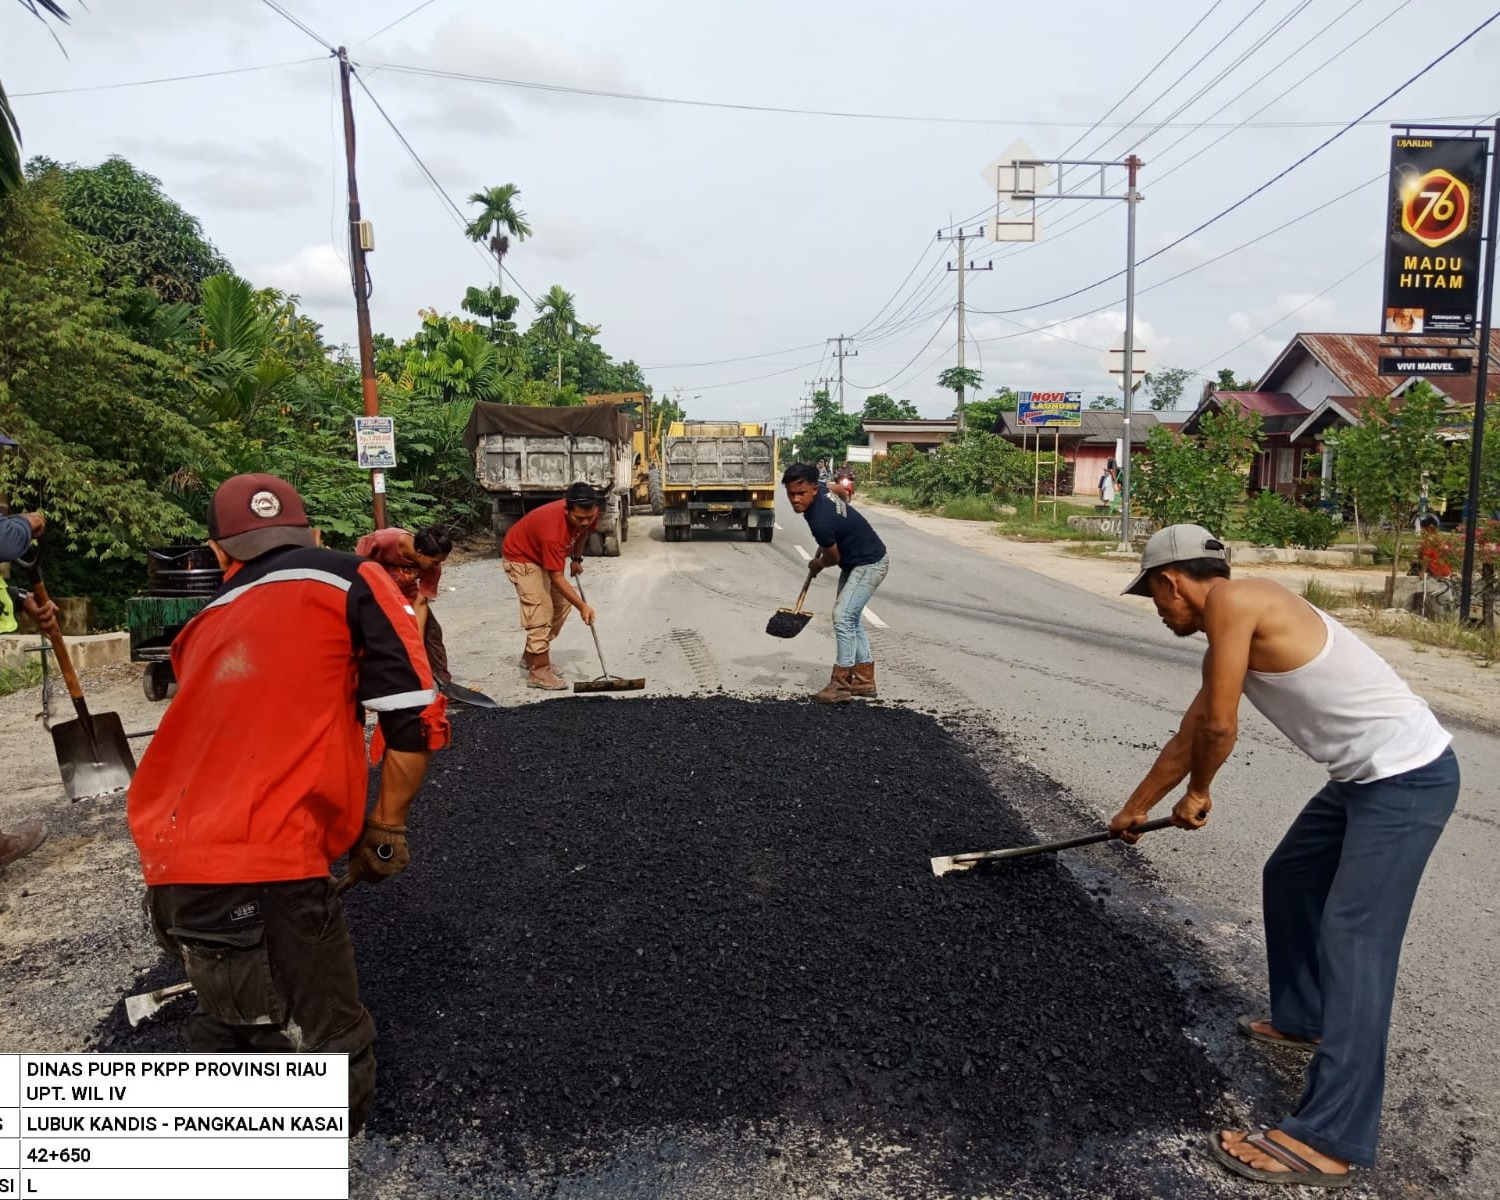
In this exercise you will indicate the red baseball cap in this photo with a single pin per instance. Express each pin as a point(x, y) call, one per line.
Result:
point(251, 514)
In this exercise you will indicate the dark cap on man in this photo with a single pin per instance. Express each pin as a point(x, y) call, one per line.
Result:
point(582, 495)
point(1174, 544)
point(251, 514)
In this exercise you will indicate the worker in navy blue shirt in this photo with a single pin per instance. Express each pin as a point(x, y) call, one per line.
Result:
point(846, 541)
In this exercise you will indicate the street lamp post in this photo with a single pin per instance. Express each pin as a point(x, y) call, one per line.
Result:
point(1024, 181)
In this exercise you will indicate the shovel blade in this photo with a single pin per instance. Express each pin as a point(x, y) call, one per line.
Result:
point(787, 623)
point(148, 1004)
point(462, 695)
point(93, 766)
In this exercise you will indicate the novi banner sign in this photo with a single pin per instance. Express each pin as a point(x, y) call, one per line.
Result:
point(1433, 228)
point(1042, 409)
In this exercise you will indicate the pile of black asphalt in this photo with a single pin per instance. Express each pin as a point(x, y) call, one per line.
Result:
point(627, 915)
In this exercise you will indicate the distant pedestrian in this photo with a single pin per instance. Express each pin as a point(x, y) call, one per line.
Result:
point(17, 532)
point(415, 561)
point(533, 555)
point(1338, 890)
point(822, 470)
point(1107, 489)
point(842, 483)
point(845, 540)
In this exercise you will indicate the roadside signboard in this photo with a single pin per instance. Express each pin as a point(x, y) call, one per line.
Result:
point(862, 454)
point(375, 442)
point(1036, 410)
point(1433, 235)
point(1391, 364)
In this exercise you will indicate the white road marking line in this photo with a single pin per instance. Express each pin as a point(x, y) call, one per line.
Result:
point(869, 612)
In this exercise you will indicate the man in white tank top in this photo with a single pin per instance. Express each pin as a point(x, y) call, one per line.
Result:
point(1338, 890)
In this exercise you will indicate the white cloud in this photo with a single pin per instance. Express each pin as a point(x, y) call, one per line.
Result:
point(566, 239)
point(315, 273)
point(255, 175)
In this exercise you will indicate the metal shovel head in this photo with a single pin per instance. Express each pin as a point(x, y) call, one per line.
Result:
point(788, 622)
point(462, 695)
point(609, 683)
point(93, 766)
point(148, 1004)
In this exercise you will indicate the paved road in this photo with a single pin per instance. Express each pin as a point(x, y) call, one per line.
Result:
point(1087, 689)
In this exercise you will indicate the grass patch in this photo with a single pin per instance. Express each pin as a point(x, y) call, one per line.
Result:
point(1044, 527)
point(18, 679)
point(1445, 634)
point(970, 508)
point(1320, 595)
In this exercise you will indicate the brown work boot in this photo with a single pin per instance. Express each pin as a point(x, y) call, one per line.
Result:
point(836, 690)
point(543, 676)
point(862, 680)
point(527, 658)
point(22, 842)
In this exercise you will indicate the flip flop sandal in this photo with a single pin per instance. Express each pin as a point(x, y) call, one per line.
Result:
point(1247, 1025)
point(1299, 1172)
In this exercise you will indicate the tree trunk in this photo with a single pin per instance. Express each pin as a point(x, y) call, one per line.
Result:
point(1359, 537)
point(1487, 596)
point(1390, 584)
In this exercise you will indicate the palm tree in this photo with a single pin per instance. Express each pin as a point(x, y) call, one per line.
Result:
point(10, 129)
point(498, 210)
point(957, 380)
point(557, 307)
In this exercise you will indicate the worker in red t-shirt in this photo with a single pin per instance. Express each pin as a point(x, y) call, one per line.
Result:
point(415, 561)
point(534, 553)
point(256, 781)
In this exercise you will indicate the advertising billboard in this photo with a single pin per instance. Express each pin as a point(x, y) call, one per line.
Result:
point(1432, 236)
point(1042, 410)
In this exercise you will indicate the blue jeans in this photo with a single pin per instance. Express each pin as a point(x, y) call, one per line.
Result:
point(1338, 892)
point(856, 586)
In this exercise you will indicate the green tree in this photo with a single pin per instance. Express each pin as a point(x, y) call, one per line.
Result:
point(829, 433)
point(241, 366)
point(1227, 381)
point(881, 407)
point(983, 414)
point(1199, 479)
point(1103, 403)
point(10, 129)
point(142, 237)
point(1382, 464)
point(104, 423)
point(973, 462)
point(561, 318)
point(958, 380)
point(498, 221)
point(1164, 388)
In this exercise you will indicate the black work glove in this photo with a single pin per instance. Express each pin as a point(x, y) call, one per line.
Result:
point(380, 853)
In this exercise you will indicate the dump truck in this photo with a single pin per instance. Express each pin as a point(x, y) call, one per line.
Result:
point(526, 456)
point(718, 475)
point(645, 446)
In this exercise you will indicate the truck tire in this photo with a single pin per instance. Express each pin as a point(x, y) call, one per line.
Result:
point(158, 682)
point(654, 492)
point(766, 531)
point(624, 519)
point(610, 546)
point(594, 545)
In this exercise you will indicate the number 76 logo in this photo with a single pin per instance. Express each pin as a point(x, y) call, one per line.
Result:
point(1435, 208)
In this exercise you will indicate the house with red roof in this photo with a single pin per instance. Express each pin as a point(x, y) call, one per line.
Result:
point(1320, 382)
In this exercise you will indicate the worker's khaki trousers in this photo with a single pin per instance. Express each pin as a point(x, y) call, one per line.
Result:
point(543, 607)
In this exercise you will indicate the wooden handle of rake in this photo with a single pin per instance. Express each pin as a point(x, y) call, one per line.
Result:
point(578, 583)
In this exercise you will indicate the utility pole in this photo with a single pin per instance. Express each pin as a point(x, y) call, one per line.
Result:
point(961, 237)
point(842, 354)
point(360, 277)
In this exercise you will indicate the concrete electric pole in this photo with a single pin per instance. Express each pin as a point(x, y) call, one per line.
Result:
point(961, 237)
point(840, 353)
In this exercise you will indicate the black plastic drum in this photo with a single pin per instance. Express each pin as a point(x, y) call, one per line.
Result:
point(182, 571)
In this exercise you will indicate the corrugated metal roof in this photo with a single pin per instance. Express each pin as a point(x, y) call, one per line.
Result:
point(1268, 404)
point(1355, 359)
point(1099, 427)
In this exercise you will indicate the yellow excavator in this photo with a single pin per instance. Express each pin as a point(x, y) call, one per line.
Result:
point(645, 442)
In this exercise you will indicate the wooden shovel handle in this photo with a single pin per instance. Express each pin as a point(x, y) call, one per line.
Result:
point(802, 595)
point(54, 635)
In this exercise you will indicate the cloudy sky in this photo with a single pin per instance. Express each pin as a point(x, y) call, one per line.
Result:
point(719, 244)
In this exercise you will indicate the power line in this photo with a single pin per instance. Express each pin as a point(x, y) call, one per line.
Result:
point(387, 28)
point(134, 83)
point(646, 98)
point(884, 382)
point(281, 12)
point(1243, 200)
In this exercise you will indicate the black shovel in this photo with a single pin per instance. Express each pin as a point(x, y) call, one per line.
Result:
point(963, 862)
point(789, 622)
point(462, 695)
point(92, 751)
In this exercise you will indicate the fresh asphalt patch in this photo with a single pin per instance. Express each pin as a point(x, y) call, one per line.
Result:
point(643, 933)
